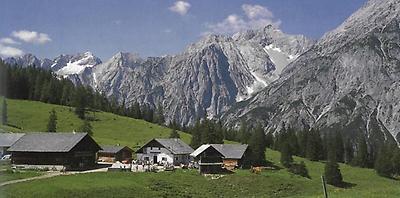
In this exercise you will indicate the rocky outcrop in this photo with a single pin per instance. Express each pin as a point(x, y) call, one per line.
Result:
point(348, 81)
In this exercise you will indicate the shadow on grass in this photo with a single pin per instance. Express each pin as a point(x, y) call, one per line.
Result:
point(348, 185)
point(272, 166)
point(345, 185)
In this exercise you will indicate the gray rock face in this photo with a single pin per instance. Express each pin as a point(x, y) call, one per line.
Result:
point(349, 80)
point(63, 65)
point(25, 61)
point(206, 79)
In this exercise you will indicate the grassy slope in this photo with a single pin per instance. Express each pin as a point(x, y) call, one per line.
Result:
point(185, 183)
point(9, 175)
point(116, 129)
point(108, 128)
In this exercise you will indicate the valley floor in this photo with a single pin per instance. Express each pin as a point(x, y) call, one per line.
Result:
point(113, 129)
point(188, 183)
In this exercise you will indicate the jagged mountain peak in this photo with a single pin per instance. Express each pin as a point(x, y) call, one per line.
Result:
point(65, 65)
point(24, 60)
point(125, 59)
point(348, 81)
point(374, 15)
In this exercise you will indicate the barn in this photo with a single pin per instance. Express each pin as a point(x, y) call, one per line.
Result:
point(8, 139)
point(112, 154)
point(71, 151)
point(165, 151)
point(217, 158)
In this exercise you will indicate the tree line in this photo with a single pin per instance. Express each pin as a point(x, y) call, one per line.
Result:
point(333, 148)
point(37, 84)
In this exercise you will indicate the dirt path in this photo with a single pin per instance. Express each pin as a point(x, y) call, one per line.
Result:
point(49, 175)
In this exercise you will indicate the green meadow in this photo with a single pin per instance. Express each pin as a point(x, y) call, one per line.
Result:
point(113, 129)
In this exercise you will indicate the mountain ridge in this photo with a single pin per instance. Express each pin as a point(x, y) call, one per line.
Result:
point(213, 73)
point(347, 81)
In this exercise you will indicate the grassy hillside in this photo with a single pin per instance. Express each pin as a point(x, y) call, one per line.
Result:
point(112, 129)
point(108, 128)
point(188, 183)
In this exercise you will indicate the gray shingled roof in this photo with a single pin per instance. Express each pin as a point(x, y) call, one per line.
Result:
point(112, 149)
point(47, 142)
point(175, 145)
point(229, 151)
point(8, 139)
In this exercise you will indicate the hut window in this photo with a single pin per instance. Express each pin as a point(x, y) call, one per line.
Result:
point(164, 159)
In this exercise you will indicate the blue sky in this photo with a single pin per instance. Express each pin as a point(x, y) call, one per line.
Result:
point(48, 28)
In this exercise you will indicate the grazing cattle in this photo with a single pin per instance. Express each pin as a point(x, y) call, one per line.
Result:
point(256, 169)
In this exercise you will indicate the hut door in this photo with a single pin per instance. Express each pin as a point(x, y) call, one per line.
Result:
point(155, 159)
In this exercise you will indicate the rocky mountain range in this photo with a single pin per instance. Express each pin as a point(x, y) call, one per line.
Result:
point(204, 80)
point(349, 80)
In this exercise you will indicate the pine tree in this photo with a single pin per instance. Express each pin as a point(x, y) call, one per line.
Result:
point(383, 164)
point(269, 140)
point(174, 134)
point(293, 141)
point(332, 172)
point(52, 123)
point(257, 146)
point(280, 138)
point(159, 115)
point(206, 129)
point(361, 157)
point(137, 113)
point(243, 134)
point(348, 152)
point(196, 136)
point(45, 92)
point(86, 127)
point(303, 138)
point(218, 136)
point(314, 150)
point(65, 98)
point(286, 156)
point(4, 112)
point(80, 102)
point(37, 87)
point(339, 147)
point(396, 161)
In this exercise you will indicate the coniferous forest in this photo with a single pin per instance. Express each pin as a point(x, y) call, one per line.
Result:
point(31, 83)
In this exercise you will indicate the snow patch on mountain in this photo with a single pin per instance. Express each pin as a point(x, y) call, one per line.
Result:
point(279, 58)
point(77, 65)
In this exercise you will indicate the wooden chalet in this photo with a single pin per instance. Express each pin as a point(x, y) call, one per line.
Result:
point(72, 151)
point(7, 140)
point(219, 158)
point(113, 154)
point(165, 151)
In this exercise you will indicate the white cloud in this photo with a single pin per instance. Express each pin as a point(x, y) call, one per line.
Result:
point(256, 11)
point(255, 16)
point(31, 36)
point(180, 7)
point(7, 51)
point(8, 41)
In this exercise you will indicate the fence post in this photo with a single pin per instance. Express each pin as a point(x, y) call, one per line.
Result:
point(324, 186)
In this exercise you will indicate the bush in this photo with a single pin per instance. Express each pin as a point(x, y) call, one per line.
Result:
point(299, 169)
